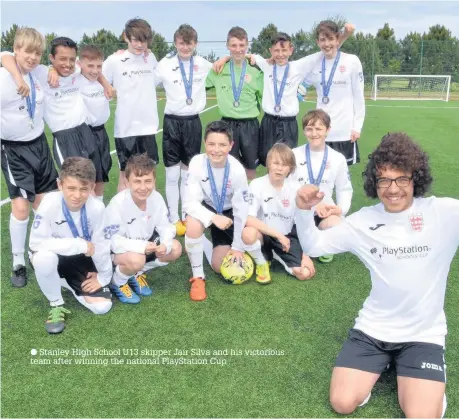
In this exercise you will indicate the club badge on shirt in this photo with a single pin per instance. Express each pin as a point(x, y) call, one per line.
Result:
point(417, 221)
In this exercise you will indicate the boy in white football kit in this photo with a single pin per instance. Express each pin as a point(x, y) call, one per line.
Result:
point(318, 164)
point(131, 73)
point(183, 76)
point(270, 231)
point(139, 231)
point(216, 196)
point(68, 246)
point(407, 242)
point(26, 159)
point(338, 79)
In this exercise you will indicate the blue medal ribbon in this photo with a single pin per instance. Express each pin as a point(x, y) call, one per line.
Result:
point(218, 200)
point(71, 223)
point(327, 85)
point(237, 92)
point(322, 167)
point(279, 92)
point(187, 83)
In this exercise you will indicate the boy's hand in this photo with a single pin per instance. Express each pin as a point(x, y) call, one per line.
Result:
point(161, 251)
point(91, 284)
point(53, 77)
point(222, 222)
point(110, 92)
point(23, 89)
point(323, 210)
point(150, 248)
point(354, 136)
point(251, 58)
point(308, 196)
point(349, 29)
point(285, 242)
point(218, 65)
point(236, 255)
point(91, 249)
point(334, 209)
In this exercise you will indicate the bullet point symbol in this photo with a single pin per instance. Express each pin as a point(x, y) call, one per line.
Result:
point(33, 352)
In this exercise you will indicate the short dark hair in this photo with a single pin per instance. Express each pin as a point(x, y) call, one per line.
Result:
point(138, 28)
point(329, 28)
point(281, 37)
point(187, 33)
point(91, 52)
point(62, 41)
point(398, 151)
point(315, 115)
point(140, 165)
point(78, 167)
point(220, 127)
point(237, 32)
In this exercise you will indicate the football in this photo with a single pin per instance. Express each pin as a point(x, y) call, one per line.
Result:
point(237, 272)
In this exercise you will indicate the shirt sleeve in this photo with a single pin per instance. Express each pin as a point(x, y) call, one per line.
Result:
point(261, 62)
point(240, 202)
point(41, 234)
point(449, 214)
point(41, 74)
point(194, 196)
point(164, 228)
point(101, 258)
point(314, 242)
point(115, 232)
point(254, 202)
point(343, 187)
point(307, 64)
point(358, 95)
point(108, 69)
point(210, 80)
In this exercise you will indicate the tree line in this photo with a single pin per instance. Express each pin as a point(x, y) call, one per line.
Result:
point(432, 52)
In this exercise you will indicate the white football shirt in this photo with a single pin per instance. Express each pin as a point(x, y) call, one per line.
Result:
point(129, 228)
point(64, 105)
point(168, 71)
point(276, 208)
point(97, 105)
point(50, 231)
point(408, 255)
point(134, 80)
point(336, 175)
point(198, 190)
point(347, 104)
point(16, 124)
point(298, 70)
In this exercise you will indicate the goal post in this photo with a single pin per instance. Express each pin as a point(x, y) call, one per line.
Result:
point(411, 87)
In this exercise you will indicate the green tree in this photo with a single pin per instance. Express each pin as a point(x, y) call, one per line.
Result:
point(211, 57)
point(304, 43)
point(388, 48)
point(8, 38)
point(106, 40)
point(261, 44)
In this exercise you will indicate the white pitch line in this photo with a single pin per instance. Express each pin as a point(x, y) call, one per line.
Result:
point(402, 106)
point(8, 200)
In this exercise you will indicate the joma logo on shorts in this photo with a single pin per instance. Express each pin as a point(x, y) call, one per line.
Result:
point(431, 366)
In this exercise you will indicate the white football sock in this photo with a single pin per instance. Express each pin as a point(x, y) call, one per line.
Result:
point(254, 250)
point(195, 254)
point(172, 192)
point(119, 279)
point(18, 234)
point(45, 265)
point(208, 249)
point(184, 175)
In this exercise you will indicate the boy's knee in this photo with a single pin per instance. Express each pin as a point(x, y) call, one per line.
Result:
point(249, 235)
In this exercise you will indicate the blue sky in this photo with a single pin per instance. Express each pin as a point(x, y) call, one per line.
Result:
point(212, 19)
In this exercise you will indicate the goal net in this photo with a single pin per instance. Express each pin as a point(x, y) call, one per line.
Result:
point(411, 87)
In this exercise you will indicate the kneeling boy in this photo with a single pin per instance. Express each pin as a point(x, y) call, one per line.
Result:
point(138, 227)
point(270, 231)
point(68, 246)
point(216, 195)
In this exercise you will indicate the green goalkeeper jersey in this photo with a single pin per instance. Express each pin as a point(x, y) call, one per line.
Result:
point(251, 94)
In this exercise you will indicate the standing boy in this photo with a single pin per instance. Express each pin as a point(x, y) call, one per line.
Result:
point(26, 159)
point(217, 197)
point(131, 73)
point(183, 76)
point(68, 246)
point(239, 88)
point(338, 79)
